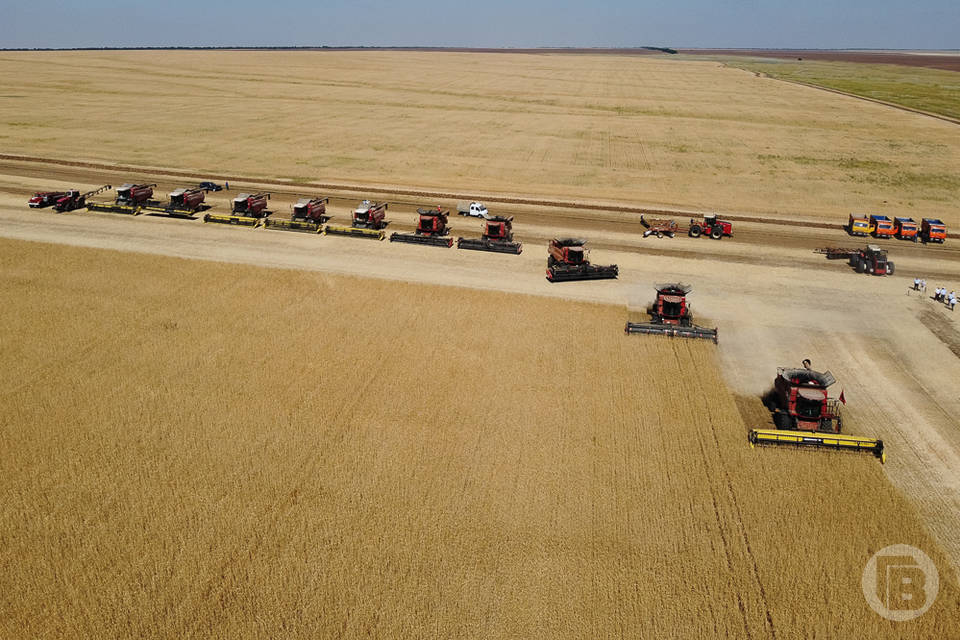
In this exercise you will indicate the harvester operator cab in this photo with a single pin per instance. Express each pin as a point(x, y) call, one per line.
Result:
point(810, 401)
point(576, 255)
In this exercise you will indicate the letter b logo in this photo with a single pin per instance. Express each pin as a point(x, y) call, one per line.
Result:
point(900, 582)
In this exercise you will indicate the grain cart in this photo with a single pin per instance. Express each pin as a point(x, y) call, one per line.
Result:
point(567, 260)
point(248, 211)
point(131, 199)
point(497, 236)
point(309, 216)
point(933, 230)
point(871, 259)
point(73, 199)
point(431, 229)
point(804, 414)
point(369, 220)
point(671, 315)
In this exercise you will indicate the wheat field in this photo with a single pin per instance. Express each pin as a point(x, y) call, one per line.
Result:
point(194, 449)
point(642, 130)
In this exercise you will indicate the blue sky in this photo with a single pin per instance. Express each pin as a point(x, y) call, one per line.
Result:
point(929, 24)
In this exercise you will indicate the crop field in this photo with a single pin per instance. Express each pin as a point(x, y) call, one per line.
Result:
point(933, 90)
point(193, 449)
point(644, 130)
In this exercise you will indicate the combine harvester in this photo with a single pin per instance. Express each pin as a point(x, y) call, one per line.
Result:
point(670, 315)
point(431, 229)
point(131, 199)
point(871, 259)
point(710, 227)
point(369, 220)
point(73, 199)
point(497, 237)
point(805, 416)
point(185, 202)
point(309, 216)
point(567, 260)
point(248, 211)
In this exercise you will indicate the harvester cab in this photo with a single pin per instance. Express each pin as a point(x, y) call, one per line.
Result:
point(568, 259)
point(804, 414)
point(431, 229)
point(671, 315)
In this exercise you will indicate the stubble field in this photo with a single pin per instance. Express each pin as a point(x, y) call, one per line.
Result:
point(208, 450)
point(647, 130)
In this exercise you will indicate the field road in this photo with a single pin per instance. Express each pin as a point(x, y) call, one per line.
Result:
point(895, 353)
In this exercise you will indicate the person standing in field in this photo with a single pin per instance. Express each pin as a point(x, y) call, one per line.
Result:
point(916, 284)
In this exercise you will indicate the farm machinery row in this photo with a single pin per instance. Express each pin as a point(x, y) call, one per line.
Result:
point(131, 199)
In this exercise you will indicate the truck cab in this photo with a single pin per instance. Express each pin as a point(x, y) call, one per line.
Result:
point(906, 229)
point(882, 226)
point(933, 230)
point(859, 225)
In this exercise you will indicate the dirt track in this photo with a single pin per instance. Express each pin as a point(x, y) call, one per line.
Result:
point(774, 301)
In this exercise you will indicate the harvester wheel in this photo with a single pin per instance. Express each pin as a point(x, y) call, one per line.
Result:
point(551, 261)
point(782, 421)
point(861, 266)
point(716, 233)
point(890, 268)
point(654, 318)
point(695, 231)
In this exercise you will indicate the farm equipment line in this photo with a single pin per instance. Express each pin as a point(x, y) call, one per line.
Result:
point(288, 186)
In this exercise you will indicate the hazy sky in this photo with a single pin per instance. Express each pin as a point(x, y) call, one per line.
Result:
point(928, 24)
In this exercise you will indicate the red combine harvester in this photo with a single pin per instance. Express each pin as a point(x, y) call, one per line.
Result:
point(671, 315)
point(567, 260)
point(431, 229)
point(497, 237)
point(73, 199)
point(804, 415)
point(933, 230)
point(131, 198)
point(43, 199)
point(871, 259)
point(184, 203)
point(248, 211)
point(369, 220)
point(309, 215)
point(710, 226)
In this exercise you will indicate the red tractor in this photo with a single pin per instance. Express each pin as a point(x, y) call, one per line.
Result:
point(710, 226)
point(431, 229)
point(43, 199)
point(497, 236)
point(567, 260)
point(670, 315)
point(73, 199)
point(799, 401)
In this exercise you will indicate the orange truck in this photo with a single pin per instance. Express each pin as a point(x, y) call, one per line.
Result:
point(906, 229)
point(859, 225)
point(933, 230)
point(882, 226)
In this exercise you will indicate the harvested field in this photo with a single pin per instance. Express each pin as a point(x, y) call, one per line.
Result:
point(196, 449)
point(640, 130)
